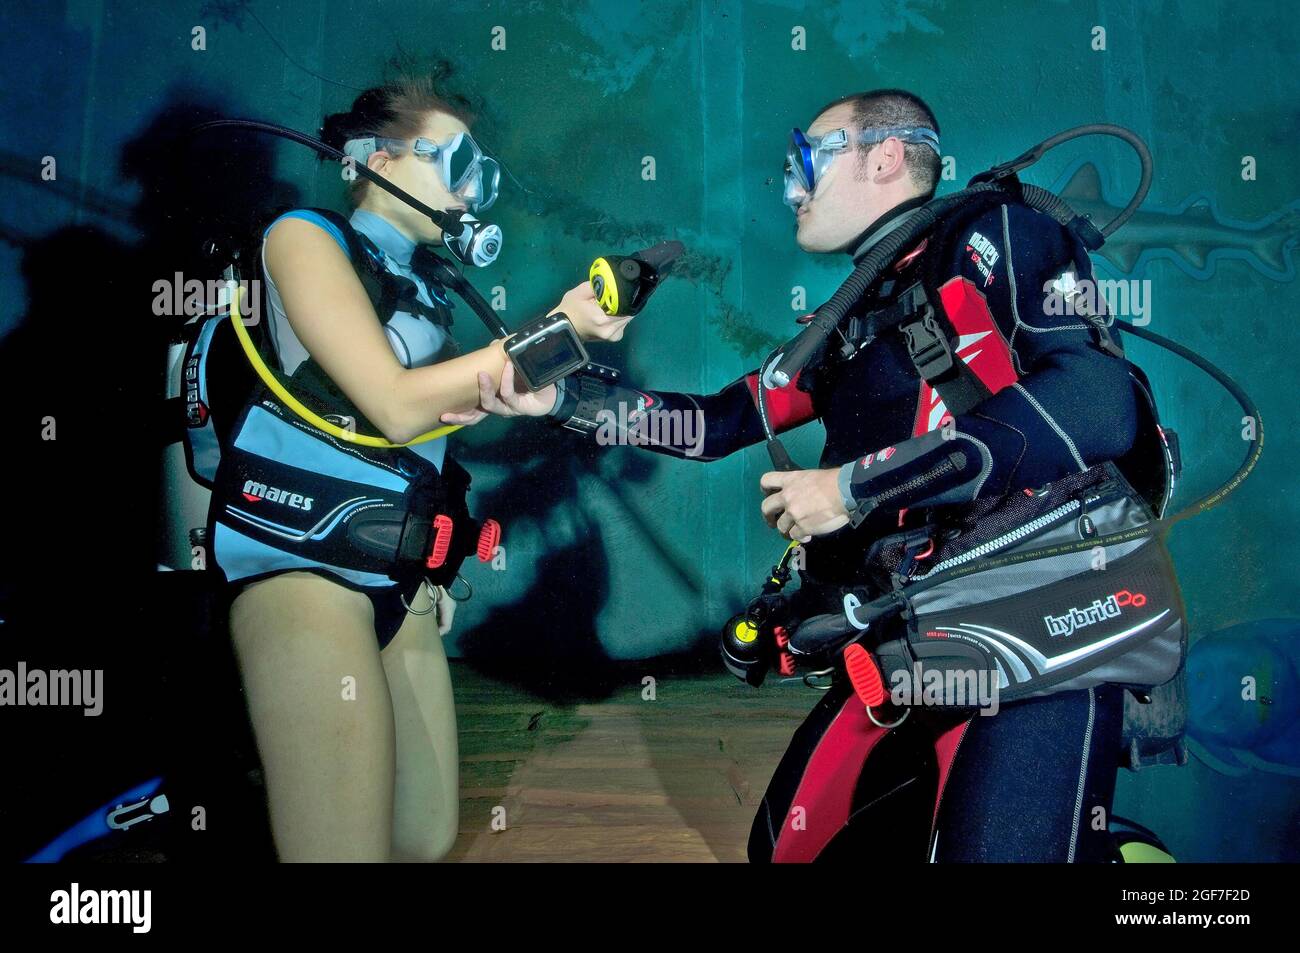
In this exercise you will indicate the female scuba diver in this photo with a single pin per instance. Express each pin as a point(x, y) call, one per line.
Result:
point(347, 685)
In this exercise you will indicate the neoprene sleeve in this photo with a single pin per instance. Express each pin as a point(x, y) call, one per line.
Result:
point(691, 426)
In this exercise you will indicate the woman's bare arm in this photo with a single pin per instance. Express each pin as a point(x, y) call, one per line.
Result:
point(331, 314)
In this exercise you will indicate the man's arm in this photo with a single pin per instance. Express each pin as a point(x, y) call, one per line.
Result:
point(696, 427)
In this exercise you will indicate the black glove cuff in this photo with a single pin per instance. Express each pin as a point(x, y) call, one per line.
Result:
point(584, 399)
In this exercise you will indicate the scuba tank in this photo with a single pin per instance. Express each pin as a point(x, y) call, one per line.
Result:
point(192, 451)
point(184, 505)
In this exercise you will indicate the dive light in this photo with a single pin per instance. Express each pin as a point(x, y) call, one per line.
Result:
point(623, 283)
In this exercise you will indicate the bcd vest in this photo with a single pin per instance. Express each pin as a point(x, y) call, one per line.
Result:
point(1087, 615)
point(288, 496)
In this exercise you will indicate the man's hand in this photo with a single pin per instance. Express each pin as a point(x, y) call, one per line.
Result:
point(802, 504)
point(505, 402)
point(587, 317)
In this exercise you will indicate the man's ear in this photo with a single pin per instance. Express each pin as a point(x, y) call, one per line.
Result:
point(895, 151)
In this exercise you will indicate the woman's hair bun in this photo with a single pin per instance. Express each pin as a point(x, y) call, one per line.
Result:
point(371, 112)
point(334, 130)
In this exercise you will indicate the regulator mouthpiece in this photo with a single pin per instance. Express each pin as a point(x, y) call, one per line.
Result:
point(477, 243)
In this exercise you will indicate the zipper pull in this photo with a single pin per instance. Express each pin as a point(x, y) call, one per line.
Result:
point(1084, 526)
point(919, 545)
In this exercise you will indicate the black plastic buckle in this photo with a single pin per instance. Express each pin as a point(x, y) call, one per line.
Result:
point(1003, 170)
point(1004, 176)
point(855, 329)
point(928, 347)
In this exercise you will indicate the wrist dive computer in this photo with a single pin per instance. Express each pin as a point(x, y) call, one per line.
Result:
point(545, 350)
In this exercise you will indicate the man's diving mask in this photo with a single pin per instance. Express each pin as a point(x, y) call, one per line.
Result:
point(808, 157)
point(466, 171)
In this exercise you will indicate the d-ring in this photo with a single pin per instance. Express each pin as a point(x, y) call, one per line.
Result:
point(469, 590)
point(807, 679)
point(906, 712)
point(433, 599)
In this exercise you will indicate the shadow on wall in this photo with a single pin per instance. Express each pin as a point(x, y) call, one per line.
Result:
point(546, 640)
point(89, 355)
point(81, 377)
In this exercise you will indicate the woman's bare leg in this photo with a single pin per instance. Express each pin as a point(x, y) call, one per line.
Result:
point(426, 812)
point(321, 711)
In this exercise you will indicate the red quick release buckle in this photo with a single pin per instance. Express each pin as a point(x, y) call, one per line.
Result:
point(785, 658)
point(441, 541)
point(865, 676)
point(489, 537)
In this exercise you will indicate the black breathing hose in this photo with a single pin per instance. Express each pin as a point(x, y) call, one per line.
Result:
point(450, 221)
point(1248, 406)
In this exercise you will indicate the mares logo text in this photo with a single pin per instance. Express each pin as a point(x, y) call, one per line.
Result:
point(254, 491)
point(984, 255)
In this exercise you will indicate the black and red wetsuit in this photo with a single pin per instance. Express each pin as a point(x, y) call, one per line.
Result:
point(1057, 404)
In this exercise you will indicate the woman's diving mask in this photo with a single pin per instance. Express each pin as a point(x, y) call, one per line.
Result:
point(466, 171)
point(468, 174)
point(808, 157)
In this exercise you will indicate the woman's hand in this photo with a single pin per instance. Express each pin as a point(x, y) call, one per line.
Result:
point(445, 608)
point(587, 317)
point(505, 402)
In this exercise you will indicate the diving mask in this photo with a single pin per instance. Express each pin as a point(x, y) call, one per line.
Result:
point(808, 157)
point(467, 172)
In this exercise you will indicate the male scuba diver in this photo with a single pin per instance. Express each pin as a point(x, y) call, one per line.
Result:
point(966, 405)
